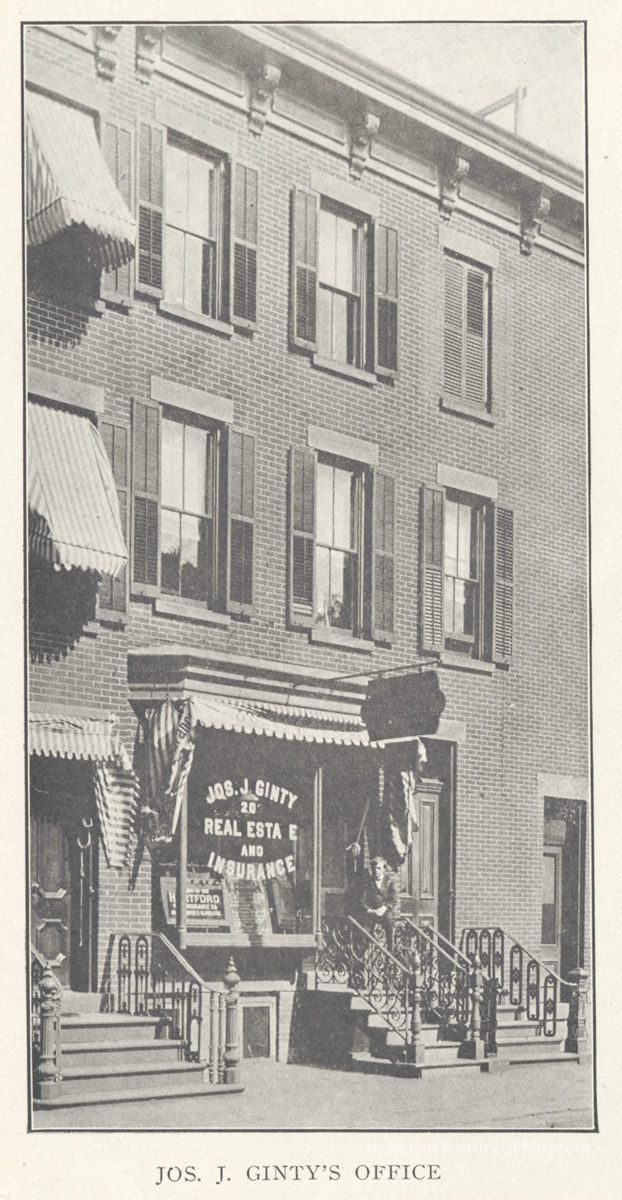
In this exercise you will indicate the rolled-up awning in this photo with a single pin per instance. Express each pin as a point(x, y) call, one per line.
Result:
point(290, 723)
point(72, 499)
point(94, 740)
point(68, 183)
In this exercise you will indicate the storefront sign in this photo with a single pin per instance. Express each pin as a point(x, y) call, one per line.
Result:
point(251, 822)
point(205, 904)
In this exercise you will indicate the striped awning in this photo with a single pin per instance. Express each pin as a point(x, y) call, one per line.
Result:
point(73, 506)
point(94, 740)
point(286, 722)
point(68, 183)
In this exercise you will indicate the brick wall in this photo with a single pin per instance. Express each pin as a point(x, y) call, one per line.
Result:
point(521, 721)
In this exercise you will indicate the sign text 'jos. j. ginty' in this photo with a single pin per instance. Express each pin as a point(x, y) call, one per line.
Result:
point(256, 837)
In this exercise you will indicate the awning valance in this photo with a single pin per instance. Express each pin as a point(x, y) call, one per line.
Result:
point(72, 499)
point(68, 183)
point(290, 723)
point(115, 784)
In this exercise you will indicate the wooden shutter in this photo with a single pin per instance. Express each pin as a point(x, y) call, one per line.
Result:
point(302, 535)
point(151, 146)
point(466, 332)
point(241, 520)
point(386, 300)
point(432, 531)
point(146, 498)
point(304, 283)
point(503, 584)
point(116, 439)
point(117, 146)
point(244, 247)
point(384, 554)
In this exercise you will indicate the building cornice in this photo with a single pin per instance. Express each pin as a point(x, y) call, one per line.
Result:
point(304, 45)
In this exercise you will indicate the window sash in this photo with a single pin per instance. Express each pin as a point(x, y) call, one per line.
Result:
point(203, 291)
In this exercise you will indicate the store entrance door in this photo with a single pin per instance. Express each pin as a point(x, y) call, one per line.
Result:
point(50, 892)
point(419, 882)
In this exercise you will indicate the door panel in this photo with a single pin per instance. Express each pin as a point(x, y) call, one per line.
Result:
point(419, 878)
point(50, 893)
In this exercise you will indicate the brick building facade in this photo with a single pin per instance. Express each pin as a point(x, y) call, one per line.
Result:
point(338, 276)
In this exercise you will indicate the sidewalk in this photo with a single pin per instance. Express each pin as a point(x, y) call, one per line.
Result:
point(557, 1096)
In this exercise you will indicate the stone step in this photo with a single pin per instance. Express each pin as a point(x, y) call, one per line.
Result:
point(108, 1027)
point(188, 1087)
point(509, 1010)
point(515, 1049)
point(377, 1022)
point(378, 1066)
point(82, 1002)
point(77, 1081)
point(507, 1030)
point(120, 1053)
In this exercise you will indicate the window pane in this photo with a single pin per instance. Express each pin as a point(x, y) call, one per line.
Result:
point(549, 871)
point(324, 504)
point(346, 265)
point(174, 266)
point(325, 323)
point(464, 540)
point(195, 471)
point(200, 196)
point(448, 604)
point(193, 274)
point(328, 223)
point(340, 340)
point(322, 585)
point(343, 506)
point(194, 558)
point(451, 537)
point(170, 551)
point(176, 186)
point(172, 463)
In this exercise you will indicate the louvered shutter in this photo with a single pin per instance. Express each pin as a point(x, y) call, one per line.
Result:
point(465, 375)
point(117, 150)
point(302, 535)
point(304, 283)
point(244, 248)
point(384, 554)
point(150, 207)
point(386, 300)
point(503, 585)
point(146, 498)
point(241, 520)
point(113, 589)
point(432, 530)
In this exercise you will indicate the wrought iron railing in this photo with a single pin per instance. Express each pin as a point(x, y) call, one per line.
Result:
point(529, 986)
point(154, 979)
point(45, 1021)
point(415, 980)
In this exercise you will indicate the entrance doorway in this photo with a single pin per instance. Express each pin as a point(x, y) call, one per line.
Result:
point(563, 884)
point(419, 880)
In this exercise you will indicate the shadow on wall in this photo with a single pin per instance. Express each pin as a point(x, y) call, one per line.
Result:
point(61, 606)
point(62, 275)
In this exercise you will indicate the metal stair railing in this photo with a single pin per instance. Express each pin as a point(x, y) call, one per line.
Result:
point(153, 978)
point(354, 957)
point(529, 986)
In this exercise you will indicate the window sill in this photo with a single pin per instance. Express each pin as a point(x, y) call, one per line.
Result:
point(460, 662)
point(117, 301)
point(325, 635)
point(344, 369)
point(170, 606)
point(461, 409)
point(191, 318)
point(109, 617)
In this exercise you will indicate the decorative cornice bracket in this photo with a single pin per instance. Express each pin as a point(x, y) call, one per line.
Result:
point(148, 48)
point(263, 88)
point(106, 50)
point(454, 170)
point(363, 131)
point(535, 209)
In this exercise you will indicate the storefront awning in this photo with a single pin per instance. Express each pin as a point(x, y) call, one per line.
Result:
point(284, 721)
point(72, 499)
point(115, 784)
point(68, 183)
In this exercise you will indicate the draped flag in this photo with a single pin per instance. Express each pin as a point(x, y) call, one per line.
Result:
point(168, 749)
point(396, 817)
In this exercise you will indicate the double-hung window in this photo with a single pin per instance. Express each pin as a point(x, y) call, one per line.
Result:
point(193, 511)
point(197, 228)
point(467, 585)
point(341, 550)
point(344, 285)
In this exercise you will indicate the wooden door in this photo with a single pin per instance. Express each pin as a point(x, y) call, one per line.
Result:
point(420, 872)
point(50, 892)
point(552, 866)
